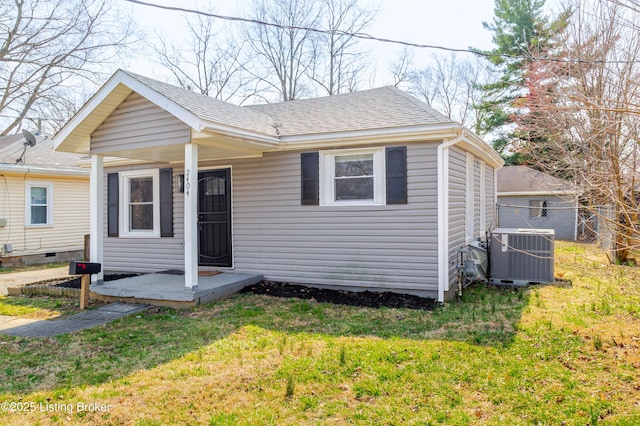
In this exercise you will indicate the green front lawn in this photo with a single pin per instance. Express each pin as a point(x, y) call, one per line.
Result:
point(566, 353)
point(38, 307)
point(7, 270)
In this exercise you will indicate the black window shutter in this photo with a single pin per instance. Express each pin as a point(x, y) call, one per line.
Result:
point(113, 205)
point(310, 170)
point(396, 163)
point(166, 203)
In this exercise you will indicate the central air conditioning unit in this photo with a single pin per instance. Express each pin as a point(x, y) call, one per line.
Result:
point(520, 257)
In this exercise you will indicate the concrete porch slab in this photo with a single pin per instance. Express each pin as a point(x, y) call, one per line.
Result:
point(169, 290)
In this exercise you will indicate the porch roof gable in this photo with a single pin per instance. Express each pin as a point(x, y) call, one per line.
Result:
point(200, 112)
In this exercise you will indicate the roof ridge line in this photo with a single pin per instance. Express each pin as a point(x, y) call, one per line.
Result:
point(417, 102)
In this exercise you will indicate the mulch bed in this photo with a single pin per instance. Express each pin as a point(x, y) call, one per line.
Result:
point(369, 299)
point(361, 298)
point(75, 282)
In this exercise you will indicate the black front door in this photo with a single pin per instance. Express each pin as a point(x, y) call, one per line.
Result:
point(214, 217)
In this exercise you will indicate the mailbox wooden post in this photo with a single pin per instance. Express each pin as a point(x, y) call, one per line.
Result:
point(86, 269)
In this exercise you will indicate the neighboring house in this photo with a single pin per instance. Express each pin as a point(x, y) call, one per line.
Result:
point(366, 190)
point(44, 203)
point(528, 198)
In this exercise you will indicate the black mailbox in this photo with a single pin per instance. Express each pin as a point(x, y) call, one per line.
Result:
point(84, 268)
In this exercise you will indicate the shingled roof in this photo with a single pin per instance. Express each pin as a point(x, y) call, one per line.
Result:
point(41, 154)
point(522, 179)
point(378, 115)
point(381, 108)
point(211, 109)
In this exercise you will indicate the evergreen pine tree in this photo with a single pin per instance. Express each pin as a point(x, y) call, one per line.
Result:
point(521, 32)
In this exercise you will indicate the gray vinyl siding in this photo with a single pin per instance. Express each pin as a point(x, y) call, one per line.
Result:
point(457, 200)
point(561, 214)
point(457, 205)
point(138, 123)
point(145, 254)
point(375, 247)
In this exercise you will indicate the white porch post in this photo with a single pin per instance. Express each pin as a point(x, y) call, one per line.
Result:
point(96, 213)
point(191, 216)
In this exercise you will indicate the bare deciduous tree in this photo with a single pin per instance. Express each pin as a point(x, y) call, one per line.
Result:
point(212, 63)
point(47, 46)
point(583, 116)
point(339, 60)
point(286, 51)
point(401, 68)
point(633, 5)
point(451, 86)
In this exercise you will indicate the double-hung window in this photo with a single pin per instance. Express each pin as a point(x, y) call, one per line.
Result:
point(538, 208)
point(140, 203)
point(352, 177)
point(39, 206)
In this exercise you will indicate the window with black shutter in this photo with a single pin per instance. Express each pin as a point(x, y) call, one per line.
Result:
point(355, 177)
point(396, 169)
point(140, 203)
point(113, 204)
point(310, 172)
point(166, 202)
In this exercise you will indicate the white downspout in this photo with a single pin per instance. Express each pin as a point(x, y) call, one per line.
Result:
point(443, 214)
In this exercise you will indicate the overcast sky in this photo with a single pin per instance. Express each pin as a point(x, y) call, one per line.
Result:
point(447, 23)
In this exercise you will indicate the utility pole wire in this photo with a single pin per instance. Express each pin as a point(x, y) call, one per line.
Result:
point(365, 36)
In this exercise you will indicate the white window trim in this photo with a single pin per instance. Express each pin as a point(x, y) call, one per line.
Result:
point(327, 174)
point(27, 204)
point(540, 208)
point(124, 204)
point(470, 199)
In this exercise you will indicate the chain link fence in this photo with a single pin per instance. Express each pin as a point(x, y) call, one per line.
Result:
point(593, 226)
point(569, 223)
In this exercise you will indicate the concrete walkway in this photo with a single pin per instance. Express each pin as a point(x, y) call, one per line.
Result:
point(16, 326)
point(15, 279)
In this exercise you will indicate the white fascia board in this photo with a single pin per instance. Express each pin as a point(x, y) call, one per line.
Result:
point(536, 193)
point(119, 162)
point(44, 170)
point(388, 135)
point(111, 162)
point(235, 132)
point(482, 149)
